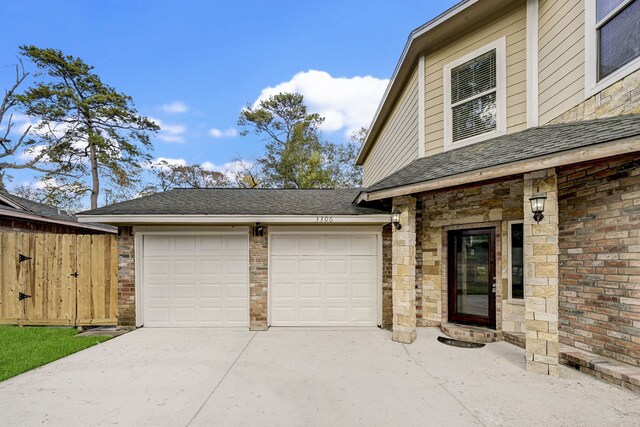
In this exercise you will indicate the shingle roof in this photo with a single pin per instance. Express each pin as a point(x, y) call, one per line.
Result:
point(37, 208)
point(528, 144)
point(239, 201)
point(45, 212)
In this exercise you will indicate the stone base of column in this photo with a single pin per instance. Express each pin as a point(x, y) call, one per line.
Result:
point(258, 326)
point(404, 336)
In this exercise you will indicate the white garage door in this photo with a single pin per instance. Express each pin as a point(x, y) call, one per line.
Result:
point(323, 279)
point(196, 280)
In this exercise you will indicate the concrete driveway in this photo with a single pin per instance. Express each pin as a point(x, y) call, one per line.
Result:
point(204, 377)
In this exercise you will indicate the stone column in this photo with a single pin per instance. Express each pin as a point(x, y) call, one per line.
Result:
point(541, 275)
point(258, 279)
point(403, 274)
point(126, 278)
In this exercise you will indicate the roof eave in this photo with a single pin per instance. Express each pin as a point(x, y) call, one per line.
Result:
point(564, 158)
point(128, 219)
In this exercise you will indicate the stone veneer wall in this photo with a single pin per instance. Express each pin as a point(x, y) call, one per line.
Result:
point(387, 291)
point(403, 262)
point(126, 277)
point(600, 257)
point(419, 260)
point(541, 275)
point(258, 279)
point(470, 207)
point(622, 97)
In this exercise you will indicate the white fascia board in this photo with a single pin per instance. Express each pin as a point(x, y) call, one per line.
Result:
point(237, 219)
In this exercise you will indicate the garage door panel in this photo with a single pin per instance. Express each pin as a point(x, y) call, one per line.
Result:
point(310, 290)
point(364, 245)
point(184, 244)
point(211, 315)
point(211, 244)
point(210, 290)
point(337, 290)
point(236, 267)
point(184, 268)
point(308, 266)
point(337, 266)
point(336, 244)
point(184, 314)
point(236, 244)
point(322, 287)
point(362, 314)
point(195, 280)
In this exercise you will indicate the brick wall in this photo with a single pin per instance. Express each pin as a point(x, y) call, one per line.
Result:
point(470, 207)
point(387, 292)
point(258, 279)
point(126, 277)
point(599, 298)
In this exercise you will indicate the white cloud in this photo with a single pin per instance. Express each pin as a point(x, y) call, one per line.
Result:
point(160, 160)
point(218, 133)
point(170, 132)
point(175, 107)
point(171, 138)
point(345, 103)
point(229, 169)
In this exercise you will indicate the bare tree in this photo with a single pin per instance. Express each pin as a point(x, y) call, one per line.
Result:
point(31, 147)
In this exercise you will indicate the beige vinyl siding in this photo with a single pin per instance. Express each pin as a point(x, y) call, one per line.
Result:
point(513, 27)
point(397, 143)
point(561, 57)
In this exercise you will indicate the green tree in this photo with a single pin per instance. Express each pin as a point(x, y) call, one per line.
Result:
point(101, 134)
point(295, 156)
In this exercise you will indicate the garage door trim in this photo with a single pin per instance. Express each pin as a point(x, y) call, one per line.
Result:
point(336, 230)
point(140, 232)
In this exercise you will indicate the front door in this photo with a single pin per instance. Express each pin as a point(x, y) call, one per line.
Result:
point(472, 277)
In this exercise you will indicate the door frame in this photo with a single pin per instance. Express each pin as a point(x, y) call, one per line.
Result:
point(467, 319)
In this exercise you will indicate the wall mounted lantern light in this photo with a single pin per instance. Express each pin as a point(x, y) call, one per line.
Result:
point(395, 219)
point(259, 229)
point(537, 205)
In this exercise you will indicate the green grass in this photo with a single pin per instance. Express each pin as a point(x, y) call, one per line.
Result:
point(25, 348)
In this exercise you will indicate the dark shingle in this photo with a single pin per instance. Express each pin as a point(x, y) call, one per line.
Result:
point(38, 208)
point(238, 201)
point(528, 144)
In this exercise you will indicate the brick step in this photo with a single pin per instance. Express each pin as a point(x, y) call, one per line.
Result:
point(609, 370)
point(470, 333)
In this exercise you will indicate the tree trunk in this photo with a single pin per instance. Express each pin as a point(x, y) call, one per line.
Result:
point(95, 178)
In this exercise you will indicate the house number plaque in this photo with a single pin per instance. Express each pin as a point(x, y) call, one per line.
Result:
point(324, 219)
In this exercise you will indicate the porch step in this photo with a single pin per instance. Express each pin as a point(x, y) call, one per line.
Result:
point(470, 333)
point(609, 370)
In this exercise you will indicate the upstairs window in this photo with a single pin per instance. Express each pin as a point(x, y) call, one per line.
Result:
point(612, 42)
point(474, 94)
point(618, 28)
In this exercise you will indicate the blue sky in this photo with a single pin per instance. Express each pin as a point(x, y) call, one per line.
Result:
point(192, 65)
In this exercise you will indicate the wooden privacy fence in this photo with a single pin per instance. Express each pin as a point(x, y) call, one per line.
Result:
point(58, 279)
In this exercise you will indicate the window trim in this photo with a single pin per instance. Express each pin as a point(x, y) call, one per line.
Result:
point(592, 85)
point(510, 263)
point(500, 45)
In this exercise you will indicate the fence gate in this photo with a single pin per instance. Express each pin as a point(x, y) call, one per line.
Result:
point(58, 279)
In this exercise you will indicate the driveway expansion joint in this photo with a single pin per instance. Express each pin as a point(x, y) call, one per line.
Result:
point(221, 380)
